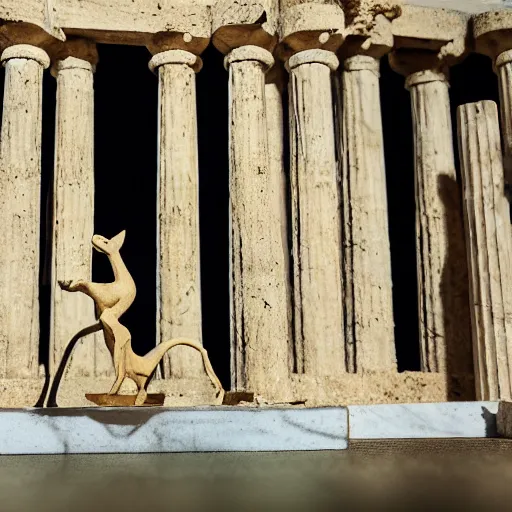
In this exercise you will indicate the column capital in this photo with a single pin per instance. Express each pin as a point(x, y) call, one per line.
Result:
point(492, 32)
point(325, 57)
point(185, 41)
point(25, 26)
point(503, 58)
point(175, 57)
point(74, 54)
point(425, 77)
point(441, 32)
point(378, 41)
point(236, 24)
point(310, 26)
point(362, 62)
point(249, 52)
point(25, 51)
point(419, 66)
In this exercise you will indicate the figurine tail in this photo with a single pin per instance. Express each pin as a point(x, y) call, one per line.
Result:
point(153, 357)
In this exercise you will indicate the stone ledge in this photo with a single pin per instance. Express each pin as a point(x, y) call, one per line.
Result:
point(162, 430)
point(423, 421)
point(382, 387)
point(504, 419)
point(241, 429)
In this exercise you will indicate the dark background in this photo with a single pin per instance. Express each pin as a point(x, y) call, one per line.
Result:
point(125, 174)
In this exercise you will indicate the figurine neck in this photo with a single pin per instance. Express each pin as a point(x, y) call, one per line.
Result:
point(118, 267)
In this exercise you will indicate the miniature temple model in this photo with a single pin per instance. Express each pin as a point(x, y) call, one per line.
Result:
point(313, 310)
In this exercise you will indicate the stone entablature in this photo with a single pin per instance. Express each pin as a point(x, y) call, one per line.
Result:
point(325, 334)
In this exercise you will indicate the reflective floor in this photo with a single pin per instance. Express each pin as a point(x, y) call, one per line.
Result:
point(394, 475)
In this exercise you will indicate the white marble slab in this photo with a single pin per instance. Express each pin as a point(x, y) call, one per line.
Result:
point(149, 430)
point(437, 420)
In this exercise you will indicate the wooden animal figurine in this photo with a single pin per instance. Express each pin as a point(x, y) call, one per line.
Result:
point(112, 300)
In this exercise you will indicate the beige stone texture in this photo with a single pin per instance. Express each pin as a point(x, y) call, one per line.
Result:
point(20, 182)
point(362, 14)
point(236, 24)
point(382, 387)
point(259, 306)
point(504, 419)
point(368, 301)
point(274, 88)
point(441, 254)
point(423, 28)
point(178, 280)
point(40, 14)
point(16, 392)
point(130, 22)
point(492, 32)
point(338, 292)
point(316, 217)
point(503, 67)
point(489, 248)
point(73, 211)
point(310, 25)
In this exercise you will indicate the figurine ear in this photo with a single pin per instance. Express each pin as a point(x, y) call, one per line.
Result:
point(118, 240)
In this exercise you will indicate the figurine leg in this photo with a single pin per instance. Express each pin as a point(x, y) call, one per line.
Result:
point(141, 397)
point(120, 373)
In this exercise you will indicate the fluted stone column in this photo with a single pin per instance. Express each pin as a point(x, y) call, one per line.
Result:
point(492, 31)
point(369, 329)
point(73, 213)
point(503, 66)
point(259, 320)
point(178, 273)
point(441, 254)
point(20, 183)
point(489, 248)
point(274, 87)
point(316, 220)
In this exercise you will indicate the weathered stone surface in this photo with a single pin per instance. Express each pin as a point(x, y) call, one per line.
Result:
point(381, 387)
point(129, 22)
point(259, 319)
point(441, 254)
point(37, 13)
point(489, 247)
point(504, 419)
point(278, 199)
point(310, 25)
point(316, 218)
point(20, 182)
point(503, 66)
point(492, 32)
point(439, 30)
point(441, 263)
point(237, 24)
point(178, 278)
point(73, 216)
point(368, 301)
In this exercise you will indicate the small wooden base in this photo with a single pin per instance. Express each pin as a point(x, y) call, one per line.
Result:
point(106, 400)
point(235, 397)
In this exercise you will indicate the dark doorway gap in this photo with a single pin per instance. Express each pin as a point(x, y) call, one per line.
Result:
point(399, 157)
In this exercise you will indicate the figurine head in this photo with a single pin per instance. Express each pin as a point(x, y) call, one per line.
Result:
point(106, 246)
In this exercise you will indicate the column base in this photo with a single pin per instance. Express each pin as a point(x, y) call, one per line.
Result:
point(16, 393)
point(382, 388)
